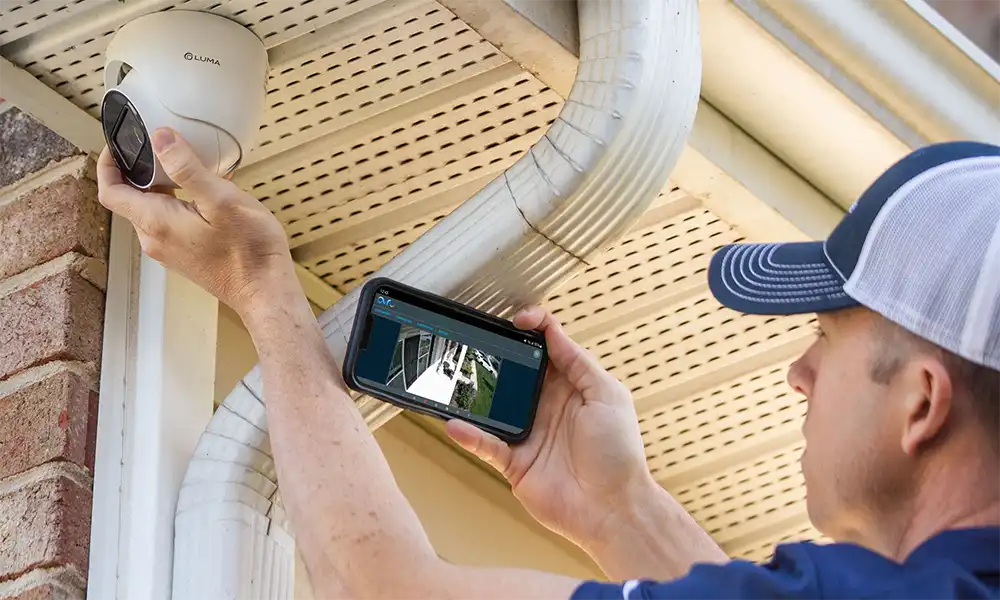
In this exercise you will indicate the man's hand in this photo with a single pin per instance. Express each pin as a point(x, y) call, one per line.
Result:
point(223, 240)
point(582, 472)
point(584, 456)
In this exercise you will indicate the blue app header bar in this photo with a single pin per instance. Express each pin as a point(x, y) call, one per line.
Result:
point(504, 348)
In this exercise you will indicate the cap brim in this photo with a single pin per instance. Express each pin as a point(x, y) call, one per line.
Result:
point(777, 279)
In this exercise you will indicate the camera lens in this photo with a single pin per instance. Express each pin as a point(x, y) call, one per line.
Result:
point(130, 137)
point(126, 135)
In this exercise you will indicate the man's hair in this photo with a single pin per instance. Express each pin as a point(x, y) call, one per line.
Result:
point(979, 384)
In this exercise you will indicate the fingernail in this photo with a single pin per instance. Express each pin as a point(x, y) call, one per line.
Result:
point(163, 138)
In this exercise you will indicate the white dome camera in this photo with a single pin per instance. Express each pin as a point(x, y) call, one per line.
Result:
point(198, 73)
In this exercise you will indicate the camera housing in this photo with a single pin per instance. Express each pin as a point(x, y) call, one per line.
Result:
point(199, 73)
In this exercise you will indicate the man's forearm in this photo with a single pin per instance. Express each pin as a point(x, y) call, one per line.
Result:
point(650, 535)
point(358, 534)
point(345, 507)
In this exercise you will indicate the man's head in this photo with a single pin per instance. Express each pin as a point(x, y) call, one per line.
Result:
point(887, 412)
point(903, 380)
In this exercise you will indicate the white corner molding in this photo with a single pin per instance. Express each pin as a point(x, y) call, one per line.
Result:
point(608, 155)
point(157, 384)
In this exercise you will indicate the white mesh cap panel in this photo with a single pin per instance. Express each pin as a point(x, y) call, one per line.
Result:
point(931, 262)
point(993, 341)
point(981, 338)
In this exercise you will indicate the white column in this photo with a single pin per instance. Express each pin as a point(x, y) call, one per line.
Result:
point(157, 388)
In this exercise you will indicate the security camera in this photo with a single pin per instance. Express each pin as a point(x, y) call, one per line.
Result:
point(198, 73)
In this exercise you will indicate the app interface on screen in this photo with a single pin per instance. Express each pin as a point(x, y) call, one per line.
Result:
point(430, 358)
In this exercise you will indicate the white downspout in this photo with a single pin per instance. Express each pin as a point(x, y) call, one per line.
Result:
point(598, 168)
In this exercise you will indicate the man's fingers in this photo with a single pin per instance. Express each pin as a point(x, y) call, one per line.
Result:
point(116, 195)
point(119, 197)
point(107, 170)
point(154, 215)
point(580, 367)
point(182, 164)
point(487, 447)
point(530, 317)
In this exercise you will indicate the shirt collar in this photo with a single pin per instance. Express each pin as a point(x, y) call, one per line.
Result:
point(976, 549)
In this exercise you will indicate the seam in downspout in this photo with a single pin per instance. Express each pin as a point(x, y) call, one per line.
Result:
point(535, 229)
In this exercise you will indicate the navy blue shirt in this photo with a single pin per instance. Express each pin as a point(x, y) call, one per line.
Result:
point(962, 563)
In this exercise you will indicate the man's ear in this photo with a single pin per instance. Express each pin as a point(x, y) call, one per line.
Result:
point(929, 396)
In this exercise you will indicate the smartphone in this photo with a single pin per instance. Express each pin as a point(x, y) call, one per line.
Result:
point(432, 355)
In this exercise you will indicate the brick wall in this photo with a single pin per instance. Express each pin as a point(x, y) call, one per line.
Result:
point(53, 253)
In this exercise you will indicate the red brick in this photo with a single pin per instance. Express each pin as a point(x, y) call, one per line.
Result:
point(44, 523)
point(47, 420)
point(45, 591)
point(57, 317)
point(27, 146)
point(50, 221)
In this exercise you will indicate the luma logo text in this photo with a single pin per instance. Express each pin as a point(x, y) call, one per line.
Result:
point(383, 301)
point(195, 57)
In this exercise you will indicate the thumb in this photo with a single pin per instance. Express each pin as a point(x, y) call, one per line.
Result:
point(487, 447)
point(181, 163)
point(581, 368)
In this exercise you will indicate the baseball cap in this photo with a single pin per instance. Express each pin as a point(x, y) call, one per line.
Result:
point(921, 247)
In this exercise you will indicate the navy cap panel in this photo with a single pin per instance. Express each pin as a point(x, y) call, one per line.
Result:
point(777, 279)
point(843, 248)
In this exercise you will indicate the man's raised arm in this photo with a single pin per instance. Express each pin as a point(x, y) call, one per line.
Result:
point(358, 534)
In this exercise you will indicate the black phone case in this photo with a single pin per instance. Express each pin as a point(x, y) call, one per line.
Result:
point(361, 327)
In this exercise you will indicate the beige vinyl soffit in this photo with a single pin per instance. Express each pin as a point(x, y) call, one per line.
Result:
point(372, 137)
point(391, 115)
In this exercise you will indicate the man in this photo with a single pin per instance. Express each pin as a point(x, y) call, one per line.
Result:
point(903, 433)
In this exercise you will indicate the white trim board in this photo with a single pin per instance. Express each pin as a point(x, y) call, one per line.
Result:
point(157, 383)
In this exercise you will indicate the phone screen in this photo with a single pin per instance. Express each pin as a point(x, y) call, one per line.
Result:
point(451, 362)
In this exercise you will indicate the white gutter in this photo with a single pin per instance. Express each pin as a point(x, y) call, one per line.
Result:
point(841, 95)
point(900, 61)
point(579, 189)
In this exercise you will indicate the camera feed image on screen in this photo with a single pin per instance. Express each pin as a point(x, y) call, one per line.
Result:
point(454, 367)
point(444, 370)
